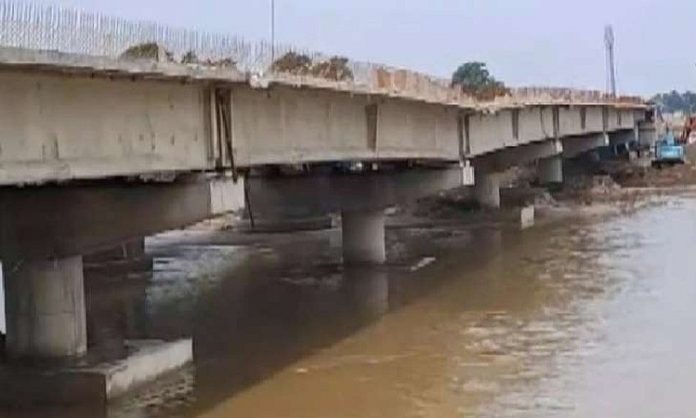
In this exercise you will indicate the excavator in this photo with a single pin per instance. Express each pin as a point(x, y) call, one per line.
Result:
point(688, 130)
point(669, 150)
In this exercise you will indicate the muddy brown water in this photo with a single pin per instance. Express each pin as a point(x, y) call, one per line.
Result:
point(579, 319)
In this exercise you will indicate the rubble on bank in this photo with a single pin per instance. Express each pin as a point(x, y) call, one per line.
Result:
point(667, 176)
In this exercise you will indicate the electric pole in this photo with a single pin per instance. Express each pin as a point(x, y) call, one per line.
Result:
point(272, 31)
point(611, 68)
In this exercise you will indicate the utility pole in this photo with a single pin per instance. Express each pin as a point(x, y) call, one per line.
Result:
point(272, 31)
point(611, 67)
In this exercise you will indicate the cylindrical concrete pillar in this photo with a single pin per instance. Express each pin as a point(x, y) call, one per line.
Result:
point(45, 308)
point(363, 237)
point(487, 189)
point(551, 170)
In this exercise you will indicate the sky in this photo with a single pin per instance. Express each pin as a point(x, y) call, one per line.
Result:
point(524, 42)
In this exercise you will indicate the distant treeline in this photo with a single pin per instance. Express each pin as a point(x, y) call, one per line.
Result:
point(676, 102)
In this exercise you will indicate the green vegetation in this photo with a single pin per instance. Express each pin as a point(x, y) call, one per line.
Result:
point(475, 79)
point(676, 102)
point(474, 75)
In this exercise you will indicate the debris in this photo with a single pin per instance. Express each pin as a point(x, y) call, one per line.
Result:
point(148, 50)
point(336, 68)
point(293, 63)
point(486, 93)
point(190, 58)
point(222, 63)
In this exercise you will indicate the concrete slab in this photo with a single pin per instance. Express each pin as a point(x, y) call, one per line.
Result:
point(149, 360)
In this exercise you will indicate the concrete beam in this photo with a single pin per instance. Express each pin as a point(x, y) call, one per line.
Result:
point(576, 145)
point(314, 195)
point(284, 125)
point(509, 157)
point(623, 136)
point(61, 221)
point(54, 127)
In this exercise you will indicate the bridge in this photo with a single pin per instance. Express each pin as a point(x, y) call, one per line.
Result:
point(97, 150)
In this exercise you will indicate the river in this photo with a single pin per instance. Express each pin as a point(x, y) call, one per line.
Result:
point(584, 318)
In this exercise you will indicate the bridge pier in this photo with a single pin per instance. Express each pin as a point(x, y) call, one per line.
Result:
point(363, 237)
point(360, 198)
point(43, 273)
point(369, 288)
point(487, 189)
point(551, 170)
point(45, 309)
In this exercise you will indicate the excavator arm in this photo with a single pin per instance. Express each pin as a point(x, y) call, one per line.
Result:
point(689, 127)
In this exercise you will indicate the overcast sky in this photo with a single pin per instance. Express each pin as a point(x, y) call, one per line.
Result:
point(524, 42)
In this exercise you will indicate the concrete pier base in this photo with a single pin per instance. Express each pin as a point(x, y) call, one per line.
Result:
point(45, 308)
point(551, 170)
point(487, 189)
point(363, 237)
point(93, 384)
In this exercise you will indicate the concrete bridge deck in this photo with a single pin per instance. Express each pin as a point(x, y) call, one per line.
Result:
point(70, 117)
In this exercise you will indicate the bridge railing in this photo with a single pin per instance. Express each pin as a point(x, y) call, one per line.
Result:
point(45, 27)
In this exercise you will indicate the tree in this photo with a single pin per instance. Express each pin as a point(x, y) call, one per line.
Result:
point(674, 102)
point(474, 79)
point(474, 76)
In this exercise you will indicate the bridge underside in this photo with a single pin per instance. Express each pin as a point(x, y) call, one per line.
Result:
point(41, 249)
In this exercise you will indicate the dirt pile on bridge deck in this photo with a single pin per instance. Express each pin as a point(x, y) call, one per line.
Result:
point(153, 51)
point(293, 63)
point(335, 68)
point(485, 93)
point(148, 50)
point(191, 58)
